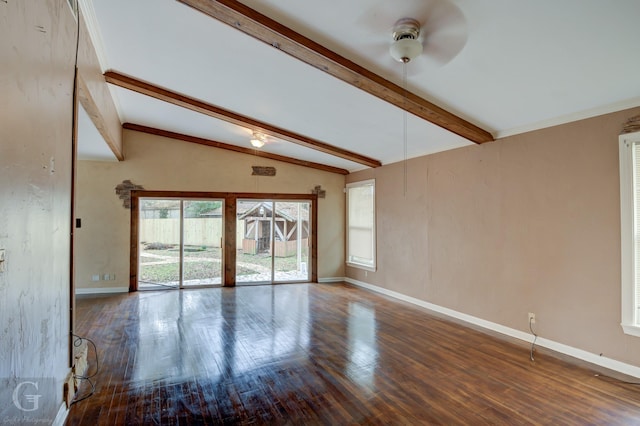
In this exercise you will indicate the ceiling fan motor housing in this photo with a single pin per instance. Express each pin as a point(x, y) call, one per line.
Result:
point(406, 45)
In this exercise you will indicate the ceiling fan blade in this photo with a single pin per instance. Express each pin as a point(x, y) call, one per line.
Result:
point(444, 33)
point(380, 18)
point(443, 26)
point(379, 49)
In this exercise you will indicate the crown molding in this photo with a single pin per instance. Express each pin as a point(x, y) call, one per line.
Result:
point(91, 22)
point(569, 118)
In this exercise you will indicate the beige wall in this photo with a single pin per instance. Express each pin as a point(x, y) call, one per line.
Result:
point(529, 223)
point(159, 163)
point(37, 42)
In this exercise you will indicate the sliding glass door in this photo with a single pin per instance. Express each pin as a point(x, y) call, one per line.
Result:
point(275, 241)
point(291, 242)
point(179, 242)
point(159, 251)
point(253, 256)
point(187, 239)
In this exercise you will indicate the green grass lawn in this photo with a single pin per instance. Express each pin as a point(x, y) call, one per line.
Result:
point(192, 271)
point(209, 268)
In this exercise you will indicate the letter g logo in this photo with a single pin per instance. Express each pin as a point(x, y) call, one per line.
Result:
point(30, 398)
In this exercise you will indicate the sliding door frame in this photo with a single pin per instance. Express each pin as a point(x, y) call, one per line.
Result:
point(229, 228)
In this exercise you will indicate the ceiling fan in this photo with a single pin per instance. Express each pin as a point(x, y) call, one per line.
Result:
point(406, 45)
point(260, 139)
point(432, 31)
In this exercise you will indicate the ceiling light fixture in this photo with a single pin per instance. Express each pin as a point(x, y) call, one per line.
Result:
point(258, 140)
point(406, 45)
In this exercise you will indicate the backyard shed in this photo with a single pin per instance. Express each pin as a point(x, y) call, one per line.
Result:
point(289, 220)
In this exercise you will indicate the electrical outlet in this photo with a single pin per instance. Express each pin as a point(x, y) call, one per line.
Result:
point(532, 318)
point(106, 277)
point(95, 277)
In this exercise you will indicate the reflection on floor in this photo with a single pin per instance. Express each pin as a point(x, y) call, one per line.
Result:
point(320, 354)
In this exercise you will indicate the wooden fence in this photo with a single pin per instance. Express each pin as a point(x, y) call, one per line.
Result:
point(197, 231)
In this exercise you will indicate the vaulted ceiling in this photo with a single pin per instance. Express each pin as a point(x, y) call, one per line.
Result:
point(318, 78)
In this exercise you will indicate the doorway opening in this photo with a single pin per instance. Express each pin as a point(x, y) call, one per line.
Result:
point(179, 242)
point(190, 239)
point(275, 241)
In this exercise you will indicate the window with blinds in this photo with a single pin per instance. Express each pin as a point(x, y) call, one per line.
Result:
point(630, 231)
point(636, 229)
point(361, 225)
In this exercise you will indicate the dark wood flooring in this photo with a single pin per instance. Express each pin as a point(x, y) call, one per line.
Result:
point(321, 354)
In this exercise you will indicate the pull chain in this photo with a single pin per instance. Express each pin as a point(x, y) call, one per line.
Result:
point(404, 127)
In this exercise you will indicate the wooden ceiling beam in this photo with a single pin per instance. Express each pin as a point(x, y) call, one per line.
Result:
point(174, 98)
point(98, 120)
point(283, 38)
point(221, 145)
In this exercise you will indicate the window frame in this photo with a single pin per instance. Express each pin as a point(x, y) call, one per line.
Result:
point(630, 277)
point(349, 261)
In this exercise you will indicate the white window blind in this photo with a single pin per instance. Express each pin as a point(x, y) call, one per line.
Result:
point(630, 231)
point(636, 230)
point(361, 232)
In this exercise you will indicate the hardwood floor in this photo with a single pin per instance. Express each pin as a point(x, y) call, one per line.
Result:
point(321, 354)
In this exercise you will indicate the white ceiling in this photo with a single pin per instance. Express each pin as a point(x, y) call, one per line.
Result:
point(520, 65)
point(91, 145)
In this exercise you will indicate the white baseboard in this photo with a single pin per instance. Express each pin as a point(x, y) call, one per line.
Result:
point(331, 280)
point(61, 417)
point(611, 364)
point(103, 290)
